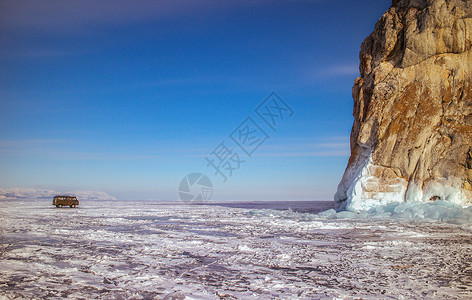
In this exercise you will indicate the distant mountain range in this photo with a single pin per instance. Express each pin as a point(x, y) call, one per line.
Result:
point(29, 193)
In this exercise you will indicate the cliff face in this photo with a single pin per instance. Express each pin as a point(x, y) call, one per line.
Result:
point(412, 134)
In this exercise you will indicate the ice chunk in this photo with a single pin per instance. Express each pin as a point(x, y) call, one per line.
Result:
point(347, 215)
point(439, 210)
point(329, 214)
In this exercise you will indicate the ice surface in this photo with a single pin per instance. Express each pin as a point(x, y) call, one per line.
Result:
point(146, 250)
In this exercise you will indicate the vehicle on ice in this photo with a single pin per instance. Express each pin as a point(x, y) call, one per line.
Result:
point(60, 201)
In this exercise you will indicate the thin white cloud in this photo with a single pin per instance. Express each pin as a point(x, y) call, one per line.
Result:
point(31, 147)
point(58, 15)
point(201, 80)
point(76, 16)
point(322, 147)
point(327, 153)
point(29, 142)
point(337, 70)
point(62, 150)
point(42, 53)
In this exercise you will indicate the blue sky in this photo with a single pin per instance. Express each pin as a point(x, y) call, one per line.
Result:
point(128, 97)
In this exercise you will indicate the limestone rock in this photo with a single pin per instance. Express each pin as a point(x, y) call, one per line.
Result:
point(412, 134)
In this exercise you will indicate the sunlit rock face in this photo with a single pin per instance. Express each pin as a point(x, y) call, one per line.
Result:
point(412, 134)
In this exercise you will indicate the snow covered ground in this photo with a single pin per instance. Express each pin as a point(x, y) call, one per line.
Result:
point(146, 250)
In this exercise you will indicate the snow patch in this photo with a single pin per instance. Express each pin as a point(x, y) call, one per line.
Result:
point(365, 186)
point(364, 190)
point(441, 189)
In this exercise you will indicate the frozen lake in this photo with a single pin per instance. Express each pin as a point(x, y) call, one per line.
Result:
point(146, 250)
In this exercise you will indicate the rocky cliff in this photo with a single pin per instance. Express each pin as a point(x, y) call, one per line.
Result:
point(412, 134)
